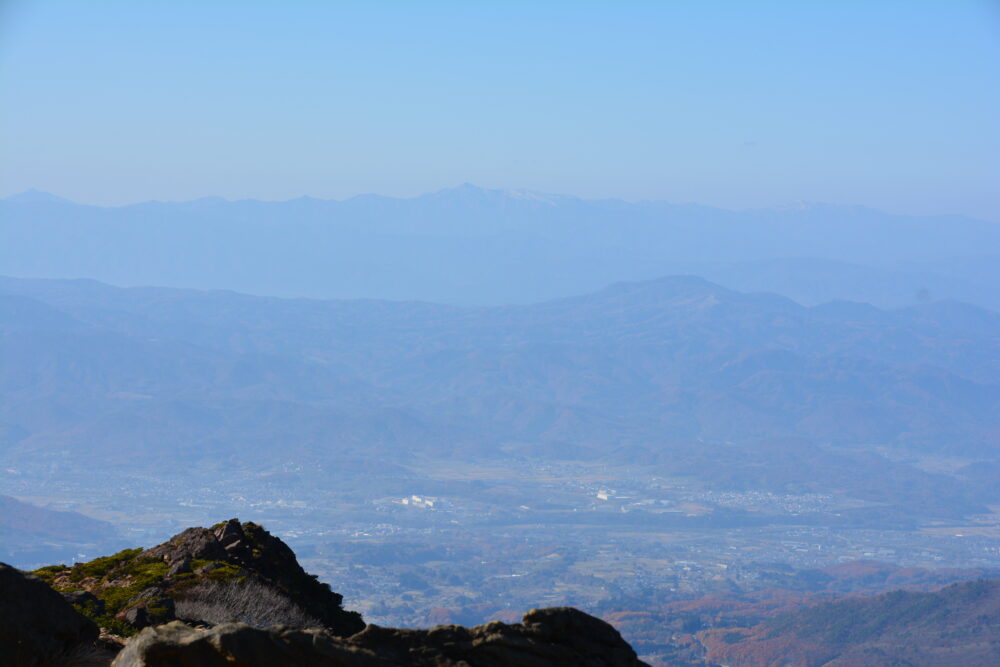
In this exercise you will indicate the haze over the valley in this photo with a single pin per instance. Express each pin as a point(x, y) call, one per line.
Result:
point(686, 315)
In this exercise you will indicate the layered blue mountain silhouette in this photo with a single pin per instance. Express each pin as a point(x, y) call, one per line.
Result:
point(676, 372)
point(475, 246)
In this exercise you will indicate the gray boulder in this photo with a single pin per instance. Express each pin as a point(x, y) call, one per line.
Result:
point(37, 625)
point(85, 599)
point(558, 637)
point(150, 607)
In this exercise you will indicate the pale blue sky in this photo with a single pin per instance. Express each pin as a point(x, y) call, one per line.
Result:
point(737, 104)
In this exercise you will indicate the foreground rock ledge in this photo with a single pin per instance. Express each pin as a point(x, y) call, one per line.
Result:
point(231, 571)
point(36, 624)
point(545, 637)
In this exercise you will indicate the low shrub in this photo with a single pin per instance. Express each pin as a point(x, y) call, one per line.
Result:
point(214, 602)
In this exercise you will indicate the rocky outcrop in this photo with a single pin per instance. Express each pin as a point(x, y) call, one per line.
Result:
point(207, 577)
point(190, 544)
point(84, 599)
point(259, 556)
point(199, 572)
point(150, 607)
point(37, 626)
point(545, 638)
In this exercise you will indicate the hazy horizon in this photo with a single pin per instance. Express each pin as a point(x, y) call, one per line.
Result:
point(469, 245)
point(886, 104)
point(684, 315)
point(34, 194)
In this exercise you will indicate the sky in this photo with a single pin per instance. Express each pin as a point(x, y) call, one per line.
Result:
point(743, 104)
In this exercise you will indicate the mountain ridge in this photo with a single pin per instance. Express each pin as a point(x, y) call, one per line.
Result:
point(957, 624)
point(694, 378)
point(490, 247)
point(36, 195)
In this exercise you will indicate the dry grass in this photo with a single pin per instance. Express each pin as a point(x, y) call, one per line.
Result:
point(249, 602)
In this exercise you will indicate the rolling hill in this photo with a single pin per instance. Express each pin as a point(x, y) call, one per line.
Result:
point(677, 372)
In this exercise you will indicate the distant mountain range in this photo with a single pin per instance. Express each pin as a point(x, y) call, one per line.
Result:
point(469, 245)
point(957, 625)
point(34, 534)
point(851, 613)
point(676, 372)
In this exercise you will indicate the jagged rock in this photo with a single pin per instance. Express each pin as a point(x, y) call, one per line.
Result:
point(190, 544)
point(179, 645)
point(240, 567)
point(205, 569)
point(557, 637)
point(150, 607)
point(196, 562)
point(36, 624)
point(229, 533)
point(182, 566)
point(86, 599)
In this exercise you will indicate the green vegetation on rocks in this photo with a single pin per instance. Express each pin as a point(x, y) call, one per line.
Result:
point(114, 580)
point(136, 588)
